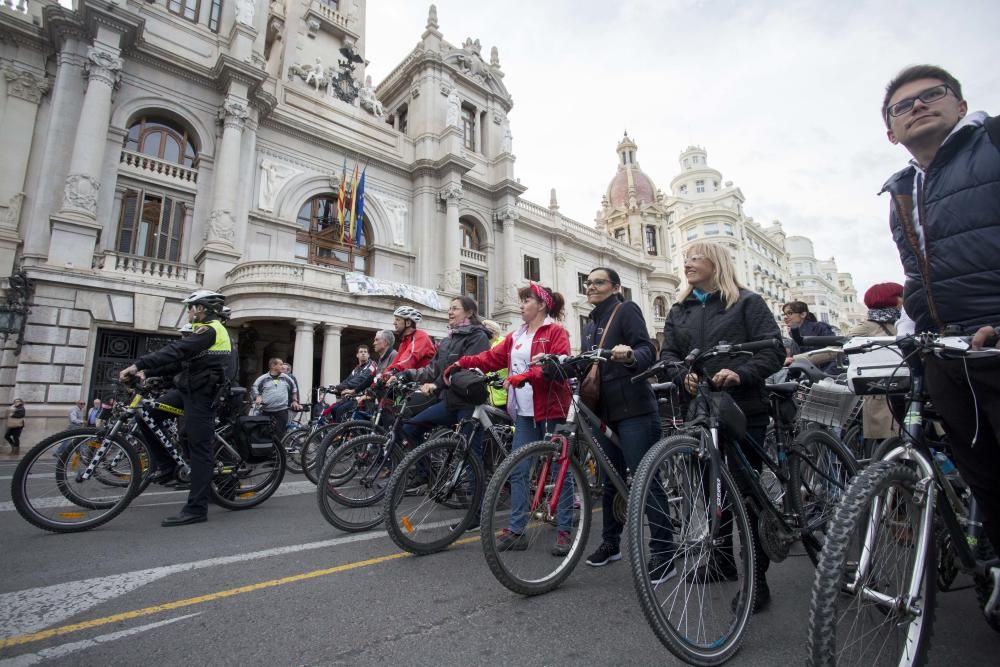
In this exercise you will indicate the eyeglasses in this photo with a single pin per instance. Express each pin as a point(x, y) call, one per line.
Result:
point(928, 96)
point(695, 258)
point(600, 282)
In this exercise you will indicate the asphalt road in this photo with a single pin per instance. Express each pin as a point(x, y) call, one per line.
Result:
point(277, 585)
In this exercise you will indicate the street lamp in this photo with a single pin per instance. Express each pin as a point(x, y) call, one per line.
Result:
point(14, 313)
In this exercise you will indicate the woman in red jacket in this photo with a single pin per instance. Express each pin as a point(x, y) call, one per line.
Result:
point(536, 404)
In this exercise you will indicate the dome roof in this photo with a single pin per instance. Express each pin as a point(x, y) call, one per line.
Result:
point(630, 178)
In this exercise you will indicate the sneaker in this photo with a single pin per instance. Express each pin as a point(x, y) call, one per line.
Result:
point(563, 542)
point(606, 553)
point(508, 540)
point(660, 569)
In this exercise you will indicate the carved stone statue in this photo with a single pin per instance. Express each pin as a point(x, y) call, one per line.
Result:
point(367, 99)
point(471, 60)
point(245, 11)
point(454, 108)
point(507, 142)
point(399, 213)
point(273, 176)
point(315, 73)
point(495, 57)
point(432, 18)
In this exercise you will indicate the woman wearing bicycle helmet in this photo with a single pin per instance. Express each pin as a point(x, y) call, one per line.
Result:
point(715, 308)
point(536, 404)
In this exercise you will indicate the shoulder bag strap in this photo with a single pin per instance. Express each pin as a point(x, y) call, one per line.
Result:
point(607, 328)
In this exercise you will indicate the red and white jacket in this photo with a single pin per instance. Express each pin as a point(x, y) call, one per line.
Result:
point(551, 398)
point(415, 351)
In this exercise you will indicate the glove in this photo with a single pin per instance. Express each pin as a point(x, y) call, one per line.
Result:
point(518, 380)
point(407, 375)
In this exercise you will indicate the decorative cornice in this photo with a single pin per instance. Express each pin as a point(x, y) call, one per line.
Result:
point(25, 85)
point(229, 70)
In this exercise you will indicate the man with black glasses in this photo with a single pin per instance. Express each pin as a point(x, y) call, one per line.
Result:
point(945, 220)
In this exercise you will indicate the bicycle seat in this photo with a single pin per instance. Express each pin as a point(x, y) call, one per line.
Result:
point(808, 369)
point(497, 415)
point(784, 389)
point(237, 392)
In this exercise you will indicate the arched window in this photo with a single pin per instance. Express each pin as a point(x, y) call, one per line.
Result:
point(321, 240)
point(163, 139)
point(470, 236)
point(660, 308)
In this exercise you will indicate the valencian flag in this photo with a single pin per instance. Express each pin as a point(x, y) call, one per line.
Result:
point(359, 199)
point(354, 204)
point(340, 199)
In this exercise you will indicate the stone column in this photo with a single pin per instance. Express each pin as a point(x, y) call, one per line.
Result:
point(302, 362)
point(512, 269)
point(451, 275)
point(75, 227)
point(219, 253)
point(24, 91)
point(331, 354)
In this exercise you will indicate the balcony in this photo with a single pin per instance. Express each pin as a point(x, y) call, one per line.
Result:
point(474, 257)
point(329, 19)
point(150, 169)
point(145, 269)
point(269, 274)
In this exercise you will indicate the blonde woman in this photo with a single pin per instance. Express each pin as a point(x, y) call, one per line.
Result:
point(716, 308)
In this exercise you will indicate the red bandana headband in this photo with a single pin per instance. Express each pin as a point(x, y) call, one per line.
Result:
point(542, 294)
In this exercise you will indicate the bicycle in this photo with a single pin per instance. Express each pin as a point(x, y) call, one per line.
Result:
point(435, 492)
point(690, 545)
point(874, 595)
point(82, 478)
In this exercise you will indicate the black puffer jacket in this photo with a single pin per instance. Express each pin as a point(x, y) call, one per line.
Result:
point(693, 325)
point(465, 340)
point(620, 399)
point(956, 278)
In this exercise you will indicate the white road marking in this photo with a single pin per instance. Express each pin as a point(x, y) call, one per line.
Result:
point(34, 609)
point(65, 649)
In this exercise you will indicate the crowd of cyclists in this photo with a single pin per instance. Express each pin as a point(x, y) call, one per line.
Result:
point(925, 112)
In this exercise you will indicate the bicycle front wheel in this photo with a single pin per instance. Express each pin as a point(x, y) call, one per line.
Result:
point(74, 481)
point(292, 444)
point(240, 484)
point(353, 481)
point(861, 612)
point(534, 534)
point(695, 588)
point(821, 469)
point(327, 439)
point(433, 496)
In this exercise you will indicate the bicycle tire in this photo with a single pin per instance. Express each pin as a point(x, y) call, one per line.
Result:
point(675, 461)
point(327, 439)
point(831, 605)
point(344, 506)
point(820, 471)
point(31, 507)
point(424, 523)
point(239, 485)
point(533, 569)
point(292, 444)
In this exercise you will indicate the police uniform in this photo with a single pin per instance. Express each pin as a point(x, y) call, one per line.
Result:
point(204, 358)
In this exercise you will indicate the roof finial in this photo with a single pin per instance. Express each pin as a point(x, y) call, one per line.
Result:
point(432, 18)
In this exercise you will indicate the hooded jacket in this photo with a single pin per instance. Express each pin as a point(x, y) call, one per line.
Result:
point(415, 351)
point(462, 341)
point(694, 325)
point(952, 264)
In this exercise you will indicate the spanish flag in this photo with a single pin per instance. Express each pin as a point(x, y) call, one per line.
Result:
point(340, 200)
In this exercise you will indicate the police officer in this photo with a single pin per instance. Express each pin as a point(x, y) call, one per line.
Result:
point(205, 359)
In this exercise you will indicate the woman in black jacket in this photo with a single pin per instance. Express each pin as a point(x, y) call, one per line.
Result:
point(715, 308)
point(629, 409)
point(15, 424)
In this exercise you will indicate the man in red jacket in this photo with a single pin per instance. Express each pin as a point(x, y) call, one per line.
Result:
point(415, 348)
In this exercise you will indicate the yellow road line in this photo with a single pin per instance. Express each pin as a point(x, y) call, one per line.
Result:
point(201, 599)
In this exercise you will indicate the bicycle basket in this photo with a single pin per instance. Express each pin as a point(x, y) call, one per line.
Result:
point(828, 403)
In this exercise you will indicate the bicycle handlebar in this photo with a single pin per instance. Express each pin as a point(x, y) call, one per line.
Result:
point(813, 342)
point(697, 355)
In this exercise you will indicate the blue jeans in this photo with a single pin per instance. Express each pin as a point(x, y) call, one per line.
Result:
point(526, 431)
point(438, 414)
point(636, 435)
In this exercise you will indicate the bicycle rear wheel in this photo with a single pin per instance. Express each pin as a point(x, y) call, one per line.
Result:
point(49, 490)
point(240, 484)
point(695, 589)
point(328, 438)
point(878, 523)
point(353, 482)
point(433, 496)
point(531, 539)
point(292, 443)
point(820, 471)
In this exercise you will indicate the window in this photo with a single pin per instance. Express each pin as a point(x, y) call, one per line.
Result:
point(660, 308)
point(620, 234)
point(320, 240)
point(728, 228)
point(151, 225)
point(715, 185)
point(402, 118)
point(687, 163)
point(162, 139)
point(650, 240)
point(470, 236)
point(214, 14)
point(581, 278)
point(692, 233)
point(684, 189)
point(626, 293)
point(186, 8)
point(711, 228)
point(469, 127)
point(532, 270)
point(699, 185)
point(474, 286)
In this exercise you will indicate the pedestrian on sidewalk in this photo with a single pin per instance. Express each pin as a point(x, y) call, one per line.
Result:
point(15, 424)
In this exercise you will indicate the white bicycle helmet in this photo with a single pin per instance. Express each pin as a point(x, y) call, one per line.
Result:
point(407, 313)
point(210, 300)
point(186, 329)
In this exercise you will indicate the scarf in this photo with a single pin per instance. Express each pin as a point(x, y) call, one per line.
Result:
point(458, 325)
point(885, 315)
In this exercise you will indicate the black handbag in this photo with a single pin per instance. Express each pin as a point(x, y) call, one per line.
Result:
point(468, 387)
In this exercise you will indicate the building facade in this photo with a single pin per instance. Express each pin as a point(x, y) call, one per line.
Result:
point(156, 147)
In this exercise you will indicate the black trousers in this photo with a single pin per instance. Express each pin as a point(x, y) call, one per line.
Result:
point(13, 436)
point(968, 416)
point(279, 423)
point(199, 428)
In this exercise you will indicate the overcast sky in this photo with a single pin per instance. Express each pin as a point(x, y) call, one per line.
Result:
point(785, 96)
